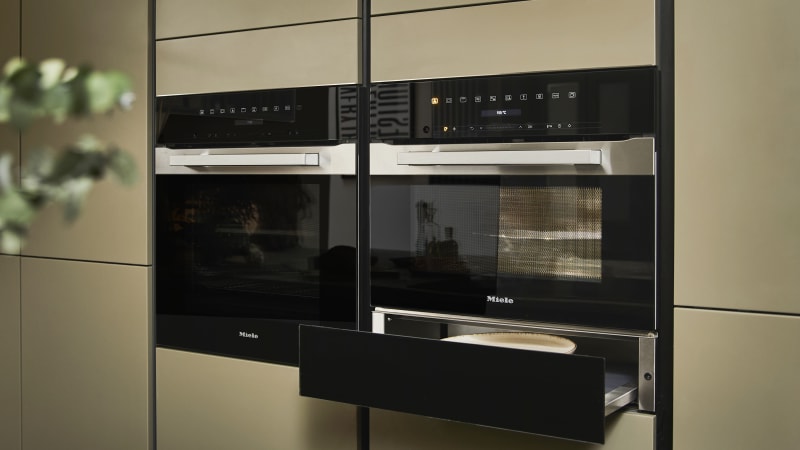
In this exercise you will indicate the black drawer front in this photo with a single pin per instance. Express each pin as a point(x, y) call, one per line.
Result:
point(544, 393)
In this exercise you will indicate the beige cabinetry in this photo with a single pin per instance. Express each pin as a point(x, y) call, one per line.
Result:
point(114, 225)
point(513, 37)
point(180, 18)
point(394, 6)
point(305, 55)
point(397, 431)
point(210, 403)
point(737, 104)
point(10, 422)
point(735, 380)
point(85, 355)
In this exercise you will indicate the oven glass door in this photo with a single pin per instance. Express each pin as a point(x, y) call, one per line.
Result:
point(254, 249)
point(551, 248)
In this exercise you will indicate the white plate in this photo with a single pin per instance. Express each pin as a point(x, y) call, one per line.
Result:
point(525, 341)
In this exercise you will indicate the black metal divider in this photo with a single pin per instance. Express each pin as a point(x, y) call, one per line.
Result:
point(363, 321)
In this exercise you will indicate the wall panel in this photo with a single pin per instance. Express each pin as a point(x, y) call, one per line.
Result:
point(10, 399)
point(735, 380)
point(85, 355)
point(213, 16)
point(111, 34)
point(304, 55)
point(210, 403)
point(737, 212)
point(396, 431)
point(529, 36)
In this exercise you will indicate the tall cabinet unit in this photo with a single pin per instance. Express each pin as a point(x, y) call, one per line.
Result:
point(9, 268)
point(86, 347)
point(737, 216)
point(212, 402)
point(412, 41)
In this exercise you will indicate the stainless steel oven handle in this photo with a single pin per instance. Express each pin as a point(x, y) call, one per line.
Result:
point(496, 158)
point(268, 159)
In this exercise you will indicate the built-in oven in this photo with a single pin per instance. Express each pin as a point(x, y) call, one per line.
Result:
point(507, 211)
point(255, 219)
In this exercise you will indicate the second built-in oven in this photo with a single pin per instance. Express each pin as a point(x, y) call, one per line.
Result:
point(255, 219)
point(515, 211)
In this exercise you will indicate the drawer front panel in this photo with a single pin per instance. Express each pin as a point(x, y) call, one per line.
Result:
point(497, 387)
point(487, 39)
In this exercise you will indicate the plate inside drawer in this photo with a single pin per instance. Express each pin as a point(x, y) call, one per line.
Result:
point(523, 341)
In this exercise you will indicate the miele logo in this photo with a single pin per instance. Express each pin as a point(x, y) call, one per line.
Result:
point(245, 334)
point(496, 299)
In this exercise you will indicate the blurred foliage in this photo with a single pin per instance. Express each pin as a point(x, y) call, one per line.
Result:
point(52, 90)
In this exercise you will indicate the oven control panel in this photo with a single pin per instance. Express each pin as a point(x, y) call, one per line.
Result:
point(619, 102)
point(257, 118)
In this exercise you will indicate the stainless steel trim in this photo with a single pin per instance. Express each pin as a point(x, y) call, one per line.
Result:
point(309, 160)
point(262, 159)
point(523, 157)
point(647, 373)
point(518, 324)
point(629, 157)
point(620, 397)
point(378, 324)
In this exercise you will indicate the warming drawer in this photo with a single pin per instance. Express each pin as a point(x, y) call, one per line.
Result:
point(560, 395)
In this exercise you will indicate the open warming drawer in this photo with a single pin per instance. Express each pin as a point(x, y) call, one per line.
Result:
point(405, 366)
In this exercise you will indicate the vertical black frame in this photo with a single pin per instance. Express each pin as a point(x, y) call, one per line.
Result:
point(665, 237)
point(364, 315)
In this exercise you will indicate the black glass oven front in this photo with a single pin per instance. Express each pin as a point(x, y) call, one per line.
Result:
point(562, 249)
point(255, 219)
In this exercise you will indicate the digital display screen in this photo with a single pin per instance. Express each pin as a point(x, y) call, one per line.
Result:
point(509, 112)
point(242, 122)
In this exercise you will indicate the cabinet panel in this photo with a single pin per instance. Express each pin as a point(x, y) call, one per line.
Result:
point(191, 17)
point(115, 222)
point(304, 55)
point(737, 212)
point(85, 355)
point(397, 431)
point(393, 6)
point(10, 424)
point(735, 380)
point(513, 37)
point(211, 402)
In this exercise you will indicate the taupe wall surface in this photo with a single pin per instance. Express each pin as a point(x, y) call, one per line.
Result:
point(213, 16)
point(112, 34)
point(513, 37)
point(737, 208)
point(736, 382)
point(10, 398)
point(396, 431)
point(85, 355)
point(211, 403)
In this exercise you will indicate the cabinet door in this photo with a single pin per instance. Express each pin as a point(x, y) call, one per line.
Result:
point(305, 55)
point(737, 104)
point(397, 431)
point(85, 355)
point(513, 37)
point(210, 403)
point(10, 424)
point(112, 34)
point(192, 17)
point(393, 6)
point(735, 381)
